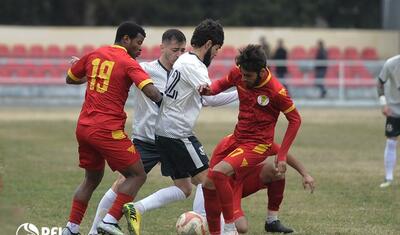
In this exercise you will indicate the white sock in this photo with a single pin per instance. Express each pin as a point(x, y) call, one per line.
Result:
point(271, 218)
point(198, 202)
point(102, 209)
point(229, 227)
point(110, 219)
point(73, 227)
point(160, 198)
point(390, 158)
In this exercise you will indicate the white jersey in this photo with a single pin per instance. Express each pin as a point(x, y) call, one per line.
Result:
point(182, 102)
point(390, 76)
point(145, 110)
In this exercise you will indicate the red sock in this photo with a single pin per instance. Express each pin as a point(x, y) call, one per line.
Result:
point(275, 194)
point(213, 210)
point(77, 211)
point(116, 209)
point(225, 194)
point(252, 184)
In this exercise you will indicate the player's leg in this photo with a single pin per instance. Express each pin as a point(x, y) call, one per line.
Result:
point(150, 157)
point(91, 160)
point(392, 130)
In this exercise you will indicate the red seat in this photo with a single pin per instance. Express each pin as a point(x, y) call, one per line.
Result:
point(19, 50)
point(351, 53)
point(4, 51)
point(87, 49)
point(145, 53)
point(53, 51)
point(312, 53)
point(70, 50)
point(227, 52)
point(155, 52)
point(36, 51)
point(298, 53)
point(369, 53)
point(334, 53)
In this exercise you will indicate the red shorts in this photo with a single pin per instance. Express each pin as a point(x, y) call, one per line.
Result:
point(242, 157)
point(98, 145)
point(245, 160)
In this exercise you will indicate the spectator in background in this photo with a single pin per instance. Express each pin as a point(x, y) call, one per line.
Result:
point(265, 46)
point(281, 54)
point(320, 69)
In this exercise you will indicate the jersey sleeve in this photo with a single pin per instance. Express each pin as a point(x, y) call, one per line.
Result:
point(220, 99)
point(138, 75)
point(78, 70)
point(196, 76)
point(385, 73)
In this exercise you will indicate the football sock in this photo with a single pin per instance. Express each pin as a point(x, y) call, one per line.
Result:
point(275, 194)
point(229, 227)
point(225, 194)
point(198, 202)
point(213, 210)
point(77, 211)
point(116, 209)
point(74, 228)
point(271, 218)
point(390, 158)
point(160, 198)
point(104, 205)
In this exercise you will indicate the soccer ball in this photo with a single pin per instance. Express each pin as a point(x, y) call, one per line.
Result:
point(191, 223)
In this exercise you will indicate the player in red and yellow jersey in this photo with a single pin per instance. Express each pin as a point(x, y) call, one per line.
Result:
point(109, 73)
point(262, 98)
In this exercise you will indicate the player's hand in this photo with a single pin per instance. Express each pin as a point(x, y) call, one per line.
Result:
point(281, 167)
point(73, 60)
point(204, 89)
point(308, 182)
point(386, 111)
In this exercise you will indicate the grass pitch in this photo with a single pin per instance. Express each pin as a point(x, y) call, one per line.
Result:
point(342, 149)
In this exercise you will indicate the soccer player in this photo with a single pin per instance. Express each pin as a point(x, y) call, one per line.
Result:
point(182, 155)
point(389, 97)
point(145, 114)
point(109, 72)
point(261, 98)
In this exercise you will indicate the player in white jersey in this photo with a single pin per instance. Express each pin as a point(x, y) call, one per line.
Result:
point(389, 97)
point(145, 115)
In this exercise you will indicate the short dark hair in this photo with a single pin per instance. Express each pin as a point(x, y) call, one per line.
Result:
point(173, 34)
point(208, 30)
point(252, 58)
point(128, 28)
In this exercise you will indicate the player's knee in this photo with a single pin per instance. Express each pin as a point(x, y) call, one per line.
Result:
point(241, 225)
point(186, 189)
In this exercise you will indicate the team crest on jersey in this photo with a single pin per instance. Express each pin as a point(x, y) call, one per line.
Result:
point(262, 100)
point(389, 127)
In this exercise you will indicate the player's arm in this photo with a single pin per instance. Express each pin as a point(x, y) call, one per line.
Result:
point(382, 78)
point(222, 98)
point(308, 180)
point(76, 74)
point(220, 85)
point(285, 104)
point(153, 93)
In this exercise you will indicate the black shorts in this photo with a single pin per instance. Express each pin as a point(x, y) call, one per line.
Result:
point(148, 153)
point(181, 158)
point(392, 127)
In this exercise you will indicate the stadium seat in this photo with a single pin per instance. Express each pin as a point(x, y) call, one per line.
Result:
point(19, 50)
point(312, 53)
point(70, 50)
point(53, 51)
point(155, 52)
point(334, 53)
point(218, 70)
point(369, 53)
point(145, 53)
point(351, 53)
point(297, 53)
point(86, 49)
point(4, 51)
point(36, 51)
point(227, 53)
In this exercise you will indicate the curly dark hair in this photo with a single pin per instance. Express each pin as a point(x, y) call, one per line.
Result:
point(252, 58)
point(207, 30)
